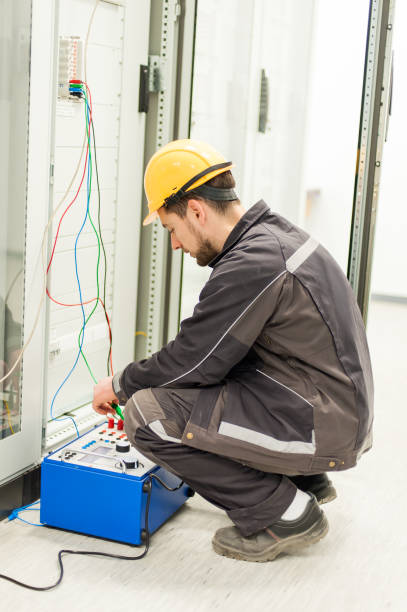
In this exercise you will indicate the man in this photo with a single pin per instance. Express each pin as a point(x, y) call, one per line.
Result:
point(268, 384)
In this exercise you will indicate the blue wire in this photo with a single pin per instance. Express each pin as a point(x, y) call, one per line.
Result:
point(28, 508)
point(79, 283)
point(28, 522)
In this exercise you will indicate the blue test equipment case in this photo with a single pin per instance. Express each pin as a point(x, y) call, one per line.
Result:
point(87, 487)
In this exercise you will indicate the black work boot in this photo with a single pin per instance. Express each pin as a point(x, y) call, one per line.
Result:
point(280, 537)
point(317, 484)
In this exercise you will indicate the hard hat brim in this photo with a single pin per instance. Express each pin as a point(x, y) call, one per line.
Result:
point(150, 218)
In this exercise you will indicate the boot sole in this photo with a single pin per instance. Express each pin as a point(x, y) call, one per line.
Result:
point(289, 545)
point(326, 496)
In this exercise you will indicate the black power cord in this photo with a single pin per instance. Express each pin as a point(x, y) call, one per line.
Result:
point(155, 477)
point(147, 489)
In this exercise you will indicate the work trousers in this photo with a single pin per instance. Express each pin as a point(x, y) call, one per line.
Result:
point(154, 423)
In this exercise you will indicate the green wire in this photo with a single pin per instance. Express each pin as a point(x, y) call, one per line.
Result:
point(97, 236)
point(79, 87)
point(109, 368)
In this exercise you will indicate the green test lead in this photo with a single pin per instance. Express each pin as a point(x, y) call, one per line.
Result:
point(118, 410)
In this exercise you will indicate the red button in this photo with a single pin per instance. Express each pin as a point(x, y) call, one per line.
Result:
point(110, 423)
point(120, 424)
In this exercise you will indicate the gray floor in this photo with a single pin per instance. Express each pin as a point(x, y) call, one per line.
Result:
point(360, 566)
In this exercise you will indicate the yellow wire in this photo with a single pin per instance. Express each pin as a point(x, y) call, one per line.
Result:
point(8, 416)
point(140, 333)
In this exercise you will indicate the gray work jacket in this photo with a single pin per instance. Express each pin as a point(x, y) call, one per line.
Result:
point(278, 346)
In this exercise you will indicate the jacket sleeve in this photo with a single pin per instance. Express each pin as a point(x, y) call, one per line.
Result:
point(233, 307)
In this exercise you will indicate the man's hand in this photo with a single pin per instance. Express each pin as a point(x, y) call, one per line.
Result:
point(103, 395)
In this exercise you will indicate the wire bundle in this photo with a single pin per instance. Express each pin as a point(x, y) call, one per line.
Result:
point(81, 90)
point(42, 256)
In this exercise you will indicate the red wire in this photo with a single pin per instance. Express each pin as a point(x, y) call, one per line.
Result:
point(88, 302)
point(66, 210)
point(107, 317)
point(57, 235)
point(79, 188)
point(88, 90)
point(81, 304)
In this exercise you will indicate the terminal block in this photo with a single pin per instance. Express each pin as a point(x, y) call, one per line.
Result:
point(70, 64)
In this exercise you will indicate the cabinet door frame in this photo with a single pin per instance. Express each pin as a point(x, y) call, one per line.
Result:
point(374, 114)
point(172, 38)
point(22, 450)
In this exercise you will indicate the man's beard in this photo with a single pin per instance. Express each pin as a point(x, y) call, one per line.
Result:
point(205, 251)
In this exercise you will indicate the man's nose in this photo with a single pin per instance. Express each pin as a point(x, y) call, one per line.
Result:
point(175, 243)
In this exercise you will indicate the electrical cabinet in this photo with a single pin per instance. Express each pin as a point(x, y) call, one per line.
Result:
point(103, 44)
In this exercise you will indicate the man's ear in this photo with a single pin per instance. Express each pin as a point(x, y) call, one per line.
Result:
point(197, 211)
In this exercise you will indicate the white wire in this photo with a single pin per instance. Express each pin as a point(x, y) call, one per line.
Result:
point(46, 230)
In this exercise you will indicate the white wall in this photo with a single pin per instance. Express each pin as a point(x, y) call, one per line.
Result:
point(281, 45)
point(221, 76)
point(339, 41)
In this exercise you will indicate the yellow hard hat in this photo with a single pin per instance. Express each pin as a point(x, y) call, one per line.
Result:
point(178, 167)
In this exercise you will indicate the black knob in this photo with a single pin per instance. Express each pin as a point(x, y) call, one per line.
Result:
point(131, 464)
point(122, 447)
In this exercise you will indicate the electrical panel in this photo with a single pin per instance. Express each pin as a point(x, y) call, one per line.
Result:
point(87, 124)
